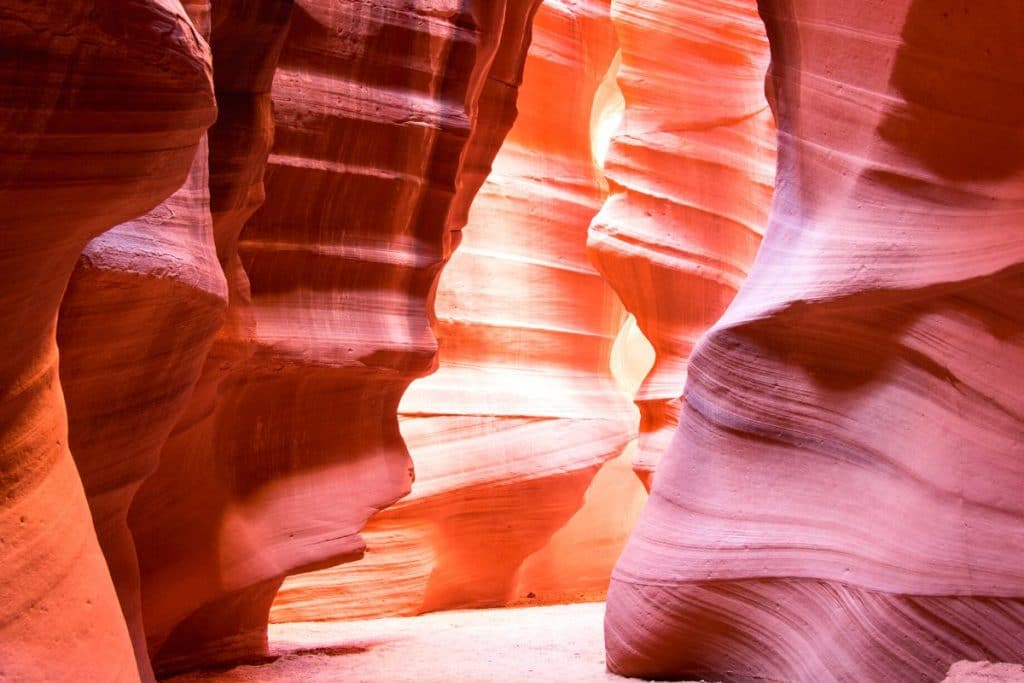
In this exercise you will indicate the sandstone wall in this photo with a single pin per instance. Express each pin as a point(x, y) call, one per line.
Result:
point(508, 435)
point(691, 168)
point(103, 109)
point(386, 117)
point(842, 499)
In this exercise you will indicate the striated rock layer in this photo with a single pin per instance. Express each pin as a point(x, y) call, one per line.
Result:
point(509, 433)
point(247, 39)
point(386, 117)
point(691, 172)
point(136, 322)
point(842, 500)
point(103, 108)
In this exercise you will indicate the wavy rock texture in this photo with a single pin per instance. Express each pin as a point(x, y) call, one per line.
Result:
point(509, 433)
point(691, 168)
point(291, 441)
point(247, 38)
point(843, 498)
point(136, 323)
point(103, 108)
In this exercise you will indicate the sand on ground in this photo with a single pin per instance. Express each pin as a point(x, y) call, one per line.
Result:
point(553, 644)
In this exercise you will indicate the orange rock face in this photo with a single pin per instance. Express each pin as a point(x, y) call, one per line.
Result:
point(136, 323)
point(103, 108)
point(266, 436)
point(246, 45)
point(135, 326)
point(691, 169)
point(842, 500)
point(509, 433)
point(291, 441)
point(208, 333)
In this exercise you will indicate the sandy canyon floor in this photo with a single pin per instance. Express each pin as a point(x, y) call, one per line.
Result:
point(559, 644)
point(555, 644)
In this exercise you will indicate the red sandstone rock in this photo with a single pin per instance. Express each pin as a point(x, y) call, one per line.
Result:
point(842, 500)
point(291, 441)
point(136, 323)
point(691, 172)
point(509, 433)
point(103, 107)
point(246, 41)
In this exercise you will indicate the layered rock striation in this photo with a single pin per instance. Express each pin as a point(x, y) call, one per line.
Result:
point(231, 372)
point(842, 499)
point(103, 110)
point(239, 313)
point(386, 117)
point(170, 523)
point(508, 435)
point(691, 169)
point(136, 322)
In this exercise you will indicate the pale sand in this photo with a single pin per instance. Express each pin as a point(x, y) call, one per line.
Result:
point(559, 644)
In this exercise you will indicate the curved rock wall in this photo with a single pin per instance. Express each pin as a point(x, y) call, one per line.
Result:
point(242, 315)
point(691, 170)
point(247, 39)
point(509, 433)
point(103, 108)
point(842, 500)
point(136, 323)
point(291, 441)
point(387, 118)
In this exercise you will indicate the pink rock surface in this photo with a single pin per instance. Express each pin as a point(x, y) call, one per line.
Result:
point(984, 672)
point(238, 317)
point(246, 41)
point(291, 440)
point(103, 107)
point(508, 434)
point(691, 170)
point(136, 323)
point(842, 500)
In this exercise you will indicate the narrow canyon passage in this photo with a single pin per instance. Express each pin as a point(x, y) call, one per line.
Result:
point(508, 434)
point(511, 340)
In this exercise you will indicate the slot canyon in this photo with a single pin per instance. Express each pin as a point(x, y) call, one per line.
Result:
point(511, 340)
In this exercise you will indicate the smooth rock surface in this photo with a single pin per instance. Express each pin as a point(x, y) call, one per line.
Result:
point(691, 168)
point(386, 118)
point(103, 107)
point(206, 336)
point(842, 500)
point(508, 435)
point(247, 39)
point(136, 322)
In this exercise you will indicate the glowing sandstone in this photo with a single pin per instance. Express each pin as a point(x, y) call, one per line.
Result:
point(103, 108)
point(291, 441)
point(691, 170)
point(842, 500)
point(136, 323)
point(375, 103)
point(508, 434)
point(246, 48)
